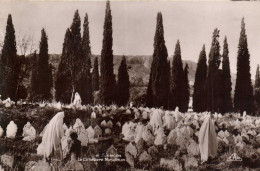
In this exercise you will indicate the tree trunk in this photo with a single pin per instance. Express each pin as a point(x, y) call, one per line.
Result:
point(73, 92)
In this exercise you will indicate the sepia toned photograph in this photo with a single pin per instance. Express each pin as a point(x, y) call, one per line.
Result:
point(129, 85)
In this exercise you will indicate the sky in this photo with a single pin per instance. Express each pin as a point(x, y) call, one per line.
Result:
point(134, 25)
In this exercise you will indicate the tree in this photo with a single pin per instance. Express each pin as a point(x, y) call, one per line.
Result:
point(227, 84)
point(75, 59)
point(26, 44)
point(1, 40)
point(160, 70)
point(257, 88)
point(9, 64)
point(85, 82)
point(44, 70)
point(95, 76)
point(243, 100)
point(107, 80)
point(186, 90)
point(176, 79)
point(72, 63)
point(199, 103)
point(213, 85)
point(34, 85)
point(123, 85)
point(23, 73)
point(257, 77)
point(63, 82)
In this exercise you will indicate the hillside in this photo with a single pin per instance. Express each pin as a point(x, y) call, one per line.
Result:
point(138, 66)
point(139, 70)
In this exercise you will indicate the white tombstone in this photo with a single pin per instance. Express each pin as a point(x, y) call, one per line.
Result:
point(169, 121)
point(98, 131)
point(83, 138)
point(91, 132)
point(138, 132)
point(58, 106)
point(103, 124)
point(29, 133)
point(93, 115)
point(78, 126)
point(156, 120)
point(110, 124)
point(7, 102)
point(160, 138)
point(128, 131)
point(11, 130)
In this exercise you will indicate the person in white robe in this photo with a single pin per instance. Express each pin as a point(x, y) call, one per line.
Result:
point(77, 100)
point(52, 136)
point(207, 139)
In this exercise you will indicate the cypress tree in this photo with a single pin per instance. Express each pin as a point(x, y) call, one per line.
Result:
point(227, 84)
point(9, 65)
point(199, 103)
point(186, 90)
point(123, 85)
point(107, 80)
point(76, 59)
point(257, 88)
point(85, 82)
point(160, 71)
point(44, 70)
point(257, 77)
point(243, 100)
point(95, 76)
point(175, 99)
point(63, 83)
point(72, 65)
point(212, 82)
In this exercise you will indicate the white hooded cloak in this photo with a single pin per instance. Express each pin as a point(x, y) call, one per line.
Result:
point(207, 139)
point(52, 136)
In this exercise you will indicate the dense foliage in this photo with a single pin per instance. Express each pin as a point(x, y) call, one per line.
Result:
point(160, 69)
point(227, 85)
point(243, 100)
point(176, 86)
point(9, 64)
point(107, 79)
point(85, 82)
point(95, 76)
point(213, 81)
point(123, 84)
point(199, 102)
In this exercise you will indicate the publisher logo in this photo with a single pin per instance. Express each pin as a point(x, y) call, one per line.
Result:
point(234, 157)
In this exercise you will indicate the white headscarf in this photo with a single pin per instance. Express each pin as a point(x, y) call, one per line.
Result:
point(52, 136)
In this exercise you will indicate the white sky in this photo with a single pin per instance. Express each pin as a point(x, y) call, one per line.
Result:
point(134, 25)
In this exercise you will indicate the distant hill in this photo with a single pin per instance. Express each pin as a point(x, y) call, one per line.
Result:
point(139, 70)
